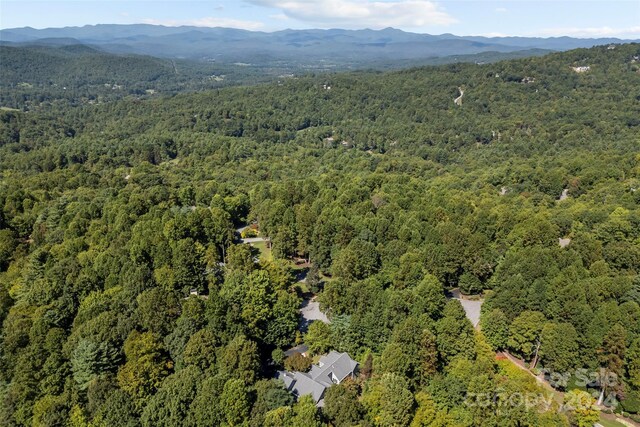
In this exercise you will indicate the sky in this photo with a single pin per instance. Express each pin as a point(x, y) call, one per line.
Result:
point(545, 18)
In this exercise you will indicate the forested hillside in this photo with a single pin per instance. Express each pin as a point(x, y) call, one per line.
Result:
point(111, 214)
point(73, 74)
point(64, 72)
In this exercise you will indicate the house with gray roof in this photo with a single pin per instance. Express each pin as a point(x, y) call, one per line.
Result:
point(302, 349)
point(332, 368)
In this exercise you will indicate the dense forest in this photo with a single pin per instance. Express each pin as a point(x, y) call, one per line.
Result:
point(126, 298)
point(36, 76)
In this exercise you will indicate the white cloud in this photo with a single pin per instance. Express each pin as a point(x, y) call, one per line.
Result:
point(209, 21)
point(279, 17)
point(493, 34)
point(362, 13)
point(501, 9)
point(587, 32)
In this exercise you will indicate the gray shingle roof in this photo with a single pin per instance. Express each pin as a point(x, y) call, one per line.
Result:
point(297, 349)
point(332, 369)
point(300, 383)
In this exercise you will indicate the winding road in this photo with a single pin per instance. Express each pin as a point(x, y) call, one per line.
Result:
point(458, 100)
point(471, 307)
point(310, 311)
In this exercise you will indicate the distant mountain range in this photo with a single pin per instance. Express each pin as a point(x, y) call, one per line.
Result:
point(335, 47)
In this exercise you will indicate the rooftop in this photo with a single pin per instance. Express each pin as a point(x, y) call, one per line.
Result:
point(332, 368)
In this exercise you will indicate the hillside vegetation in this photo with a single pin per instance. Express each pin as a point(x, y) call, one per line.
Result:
point(64, 72)
point(73, 74)
point(110, 214)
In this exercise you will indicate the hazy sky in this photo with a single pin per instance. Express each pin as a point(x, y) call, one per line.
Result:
point(577, 18)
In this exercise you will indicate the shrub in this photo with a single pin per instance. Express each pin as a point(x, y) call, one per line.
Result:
point(631, 403)
point(469, 284)
point(297, 362)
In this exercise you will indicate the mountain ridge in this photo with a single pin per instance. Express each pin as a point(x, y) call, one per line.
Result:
point(358, 47)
